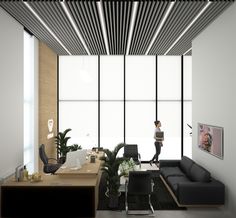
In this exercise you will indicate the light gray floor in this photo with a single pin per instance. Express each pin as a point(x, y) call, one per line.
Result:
point(190, 213)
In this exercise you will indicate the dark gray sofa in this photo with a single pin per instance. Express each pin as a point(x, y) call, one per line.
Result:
point(190, 184)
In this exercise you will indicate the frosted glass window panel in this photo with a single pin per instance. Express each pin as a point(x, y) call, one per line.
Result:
point(169, 77)
point(140, 118)
point(140, 77)
point(187, 77)
point(78, 77)
point(82, 118)
point(169, 113)
point(29, 93)
point(111, 77)
point(187, 150)
point(111, 124)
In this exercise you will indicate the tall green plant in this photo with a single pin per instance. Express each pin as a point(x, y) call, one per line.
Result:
point(110, 168)
point(61, 141)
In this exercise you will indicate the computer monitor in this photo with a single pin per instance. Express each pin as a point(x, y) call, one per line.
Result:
point(82, 156)
point(75, 159)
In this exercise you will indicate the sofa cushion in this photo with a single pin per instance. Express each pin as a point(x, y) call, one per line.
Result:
point(186, 164)
point(173, 181)
point(171, 171)
point(199, 174)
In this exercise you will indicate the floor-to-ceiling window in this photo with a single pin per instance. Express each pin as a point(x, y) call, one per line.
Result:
point(78, 94)
point(140, 103)
point(106, 100)
point(187, 99)
point(29, 102)
point(111, 101)
point(169, 104)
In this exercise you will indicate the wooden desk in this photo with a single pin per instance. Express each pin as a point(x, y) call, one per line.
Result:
point(69, 193)
point(88, 169)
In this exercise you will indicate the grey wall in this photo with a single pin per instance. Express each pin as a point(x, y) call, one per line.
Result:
point(11, 94)
point(214, 102)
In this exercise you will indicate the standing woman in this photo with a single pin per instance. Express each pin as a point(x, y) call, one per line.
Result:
point(158, 143)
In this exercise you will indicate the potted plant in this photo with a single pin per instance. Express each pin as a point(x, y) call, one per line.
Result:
point(126, 166)
point(110, 167)
point(61, 141)
point(75, 147)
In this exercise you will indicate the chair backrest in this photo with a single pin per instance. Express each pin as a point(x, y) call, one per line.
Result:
point(140, 183)
point(42, 154)
point(131, 150)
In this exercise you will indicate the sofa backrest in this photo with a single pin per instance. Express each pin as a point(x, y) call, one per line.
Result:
point(186, 164)
point(199, 174)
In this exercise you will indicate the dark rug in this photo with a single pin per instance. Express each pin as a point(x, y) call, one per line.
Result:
point(161, 198)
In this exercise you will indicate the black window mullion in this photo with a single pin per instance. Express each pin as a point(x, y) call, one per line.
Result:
point(156, 99)
point(57, 99)
point(182, 105)
point(99, 121)
point(124, 100)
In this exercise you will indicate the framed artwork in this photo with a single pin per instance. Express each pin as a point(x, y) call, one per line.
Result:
point(210, 139)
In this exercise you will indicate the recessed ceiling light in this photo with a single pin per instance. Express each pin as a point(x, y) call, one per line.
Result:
point(160, 26)
point(187, 51)
point(75, 26)
point(187, 28)
point(46, 26)
point(102, 20)
point(134, 12)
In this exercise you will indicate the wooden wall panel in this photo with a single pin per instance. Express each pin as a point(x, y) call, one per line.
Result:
point(47, 98)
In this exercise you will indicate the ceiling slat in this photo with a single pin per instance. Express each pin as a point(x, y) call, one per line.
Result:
point(117, 16)
point(213, 11)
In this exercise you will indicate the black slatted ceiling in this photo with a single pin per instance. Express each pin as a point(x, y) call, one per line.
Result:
point(189, 53)
point(213, 11)
point(22, 14)
point(148, 18)
point(85, 14)
point(117, 16)
point(179, 18)
point(53, 14)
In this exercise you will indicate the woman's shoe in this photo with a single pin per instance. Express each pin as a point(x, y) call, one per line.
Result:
point(151, 162)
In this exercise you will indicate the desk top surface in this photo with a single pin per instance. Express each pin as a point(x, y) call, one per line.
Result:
point(88, 169)
point(87, 175)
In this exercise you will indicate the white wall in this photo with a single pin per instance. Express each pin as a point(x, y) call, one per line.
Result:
point(11, 94)
point(214, 102)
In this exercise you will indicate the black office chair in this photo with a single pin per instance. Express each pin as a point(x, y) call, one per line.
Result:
point(131, 151)
point(48, 167)
point(138, 189)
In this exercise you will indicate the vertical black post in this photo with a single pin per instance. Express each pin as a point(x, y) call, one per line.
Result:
point(124, 100)
point(156, 97)
point(99, 101)
point(182, 106)
point(57, 98)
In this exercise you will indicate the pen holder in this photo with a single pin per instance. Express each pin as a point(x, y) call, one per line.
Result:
point(92, 159)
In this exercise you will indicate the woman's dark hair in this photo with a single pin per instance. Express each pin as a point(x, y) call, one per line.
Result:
point(156, 122)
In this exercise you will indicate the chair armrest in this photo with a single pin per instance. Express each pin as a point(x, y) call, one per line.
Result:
point(52, 159)
point(152, 185)
point(139, 156)
point(169, 163)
